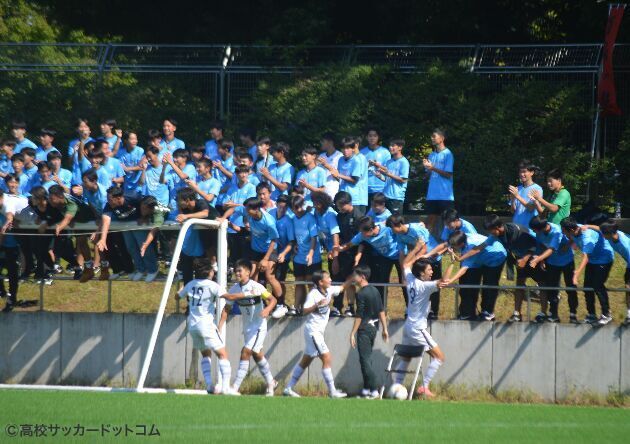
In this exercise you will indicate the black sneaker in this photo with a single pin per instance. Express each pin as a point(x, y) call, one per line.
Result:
point(334, 313)
point(573, 319)
point(432, 316)
point(516, 317)
point(540, 318)
point(485, 316)
point(464, 318)
point(78, 271)
point(590, 319)
point(553, 319)
point(8, 307)
point(348, 313)
point(292, 311)
point(603, 320)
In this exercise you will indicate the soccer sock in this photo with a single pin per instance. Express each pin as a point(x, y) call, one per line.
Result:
point(243, 367)
point(295, 376)
point(628, 313)
point(401, 366)
point(265, 370)
point(226, 374)
point(88, 264)
point(433, 368)
point(329, 380)
point(206, 365)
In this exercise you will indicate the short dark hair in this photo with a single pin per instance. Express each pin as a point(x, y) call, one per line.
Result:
point(242, 169)
point(419, 267)
point(152, 149)
point(11, 176)
point(450, 215)
point(18, 124)
point(96, 152)
point(186, 194)
point(253, 203)
point(149, 201)
point(609, 227)
point(395, 220)
point(297, 201)
point(17, 157)
point(205, 162)
point(321, 198)
point(373, 128)
point(569, 224)
point(457, 238)
point(398, 142)
point(99, 144)
point(263, 186)
point(342, 198)
point(281, 147)
point(245, 155)
point(492, 221)
point(56, 190)
point(170, 119)
point(263, 141)
point(311, 150)
point(202, 267)
point(198, 149)
point(330, 136)
point(42, 165)
point(366, 223)
point(363, 270)
point(90, 175)
point(243, 263)
point(54, 154)
point(248, 132)
point(217, 124)
point(317, 276)
point(48, 132)
point(379, 199)
point(556, 173)
point(225, 144)
point(349, 142)
point(9, 142)
point(182, 153)
point(283, 198)
point(110, 122)
point(154, 134)
point(81, 120)
point(115, 191)
point(538, 223)
point(525, 164)
point(28, 151)
point(39, 192)
point(440, 131)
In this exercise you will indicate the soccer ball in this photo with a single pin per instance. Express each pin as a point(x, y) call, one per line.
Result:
point(397, 391)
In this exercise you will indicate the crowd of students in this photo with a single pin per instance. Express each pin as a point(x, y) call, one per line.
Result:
point(342, 204)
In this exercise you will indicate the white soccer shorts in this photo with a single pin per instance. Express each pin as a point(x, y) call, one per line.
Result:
point(255, 337)
point(206, 336)
point(314, 344)
point(419, 337)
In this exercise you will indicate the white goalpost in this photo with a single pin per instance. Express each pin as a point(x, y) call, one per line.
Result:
point(221, 229)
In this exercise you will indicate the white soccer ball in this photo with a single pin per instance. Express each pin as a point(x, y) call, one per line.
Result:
point(397, 391)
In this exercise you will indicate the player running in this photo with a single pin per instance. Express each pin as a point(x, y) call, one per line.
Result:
point(420, 287)
point(317, 308)
point(249, 295)
point(202, 295)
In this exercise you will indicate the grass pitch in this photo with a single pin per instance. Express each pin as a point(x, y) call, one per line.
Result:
point(181, 418)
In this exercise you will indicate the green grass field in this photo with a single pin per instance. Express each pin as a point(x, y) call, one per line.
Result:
point(186, 418)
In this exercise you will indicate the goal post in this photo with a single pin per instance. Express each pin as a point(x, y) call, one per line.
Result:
point(221, 280)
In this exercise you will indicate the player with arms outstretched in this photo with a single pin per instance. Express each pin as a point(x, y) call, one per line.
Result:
point(249, 295)
point(317, 308)
point(202, 295)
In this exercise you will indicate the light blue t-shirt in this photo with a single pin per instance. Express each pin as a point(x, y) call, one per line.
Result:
point(594, 244)
point(263, 231)
point(383, 243)
point(228, 164)
point(284, 226)
point(239, 195)
point(440, 187)
point(212, 150)
point(111, 141)
point(65, 176)
point(113, 167)
point(5, 164)
point(104, 177)
point(522, 215)
point(30, 172)
point(263, 162)
point(466, 227)
point(78, 167)
point(303, 230)
point(210, 186)
point(315, 177)
point(492, 255)
point(379, 218)
point(380, 155)
point(192, 245)
point(175, 182)
point(153, 186)
point(253, 151)
point(283, 174)
point(355, 167)
point(41, 155)
point(26, 143)
point(96, 199)
point(622, 246)
point(131, 159)
point(407, 241)
point(559, 243)
point(327, 226)
point(173, 145)
point(393, 189)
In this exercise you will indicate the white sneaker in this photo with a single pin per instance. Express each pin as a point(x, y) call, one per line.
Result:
point(280, 312)
point(136, 276)
point(289, 392)
point(271, 388)
point(114, 276)
point(232, 392)
point(150, 277)
point(338, 394)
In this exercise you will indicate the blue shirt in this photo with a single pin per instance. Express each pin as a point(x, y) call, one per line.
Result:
point(379, 218)
point(263, 162)
point(172, 145)
point(408, 240)
point(5, 164)
point(174, 182)
point(131, 159)
point(104, 178)
point(594, 244)
point(8, 240)
point(111, 142)
point(253, 151)
point(559, 243)
point(393, 189)
point(466, 227)
point(622, 246)
point(24, 188)
point(228, 164)
point(383, 243)
point(113, 167)
point(78, 167)
point(283, 174)
point(239, 195)
point(380, 155)
point(304, 229)
point(315, 177)
point(26, 143)
point(41, 155)
point(96, 199)
point(492, 255)
point(284, 226)
point(327, 226)
point(65, 176)
point(431, 244)
point(192, 245)
point(522, 215)
point(210, 186)
point(30, 172)
point(263, 231)
point(355, 167)
point(74, 142)
point(153, 187)
point(440, 187)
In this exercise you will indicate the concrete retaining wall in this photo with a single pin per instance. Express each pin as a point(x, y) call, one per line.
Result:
point(551, 360)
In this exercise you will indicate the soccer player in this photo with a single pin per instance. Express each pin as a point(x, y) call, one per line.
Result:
point(439, 167)
point(46, 138)
point(352, 173)
point(378, 208)
point(206, 186)
point(523, 206)
point(84, 136)
point(223, 168)
point(452, 223)
point(559, 205)
point(279, 175)
point(486, 266)
point(170, 143)
point(327, 224)
point(130, 161)
point(202, 295)
point(18, 131)
point(175, 172)
point(317, 308)
point(557, 255)
point(375, 154)
point(284, 225)
point(150, 179)
point(212, 145)
point(30, 168)
point(249, 295)
point(312, 178)
point(24, 182)
point(329, 160)
point(418, 274)
point(248, 140)
point(597, 260)
point(264, 159)
point(9, 248)
point(369, 313)
point(59, 175)
point(395, 173)
point(110, 135)
point(620, 242)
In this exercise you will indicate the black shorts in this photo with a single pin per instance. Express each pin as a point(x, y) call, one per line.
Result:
point(282, 270)
point(256, 256)
point(439, 206)
point(537, 274)
point(306, 270)
point(626, 276)
point(346, 265)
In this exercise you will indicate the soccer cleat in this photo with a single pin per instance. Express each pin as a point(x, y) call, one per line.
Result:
point(335, 313)
point(603, 320)
point(136, 276)
point(151, 277)
point(57, 269)
point(573, 319)
point(337, 394)
point(104, 276)
point(280, 312)
point(364, 393)
point(292, 311)
point(78, 271)
point(348, 313)
point(516, 317)
point(424, 391)
point(88, 274)
point(590, 319)
point(289, 392)
point(553, 319)
point(540, 318)
point(271, 388)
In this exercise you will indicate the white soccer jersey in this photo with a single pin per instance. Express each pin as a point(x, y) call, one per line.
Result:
point(332, 184)
point(250, 307)
point(316, 321)
point(202, 295)
point(419, 302)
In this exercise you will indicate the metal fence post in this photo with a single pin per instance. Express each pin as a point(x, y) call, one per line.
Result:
point(109, 296)
point(529, 304)
point(456, 299)
point(41, 295)
point(385, 294)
